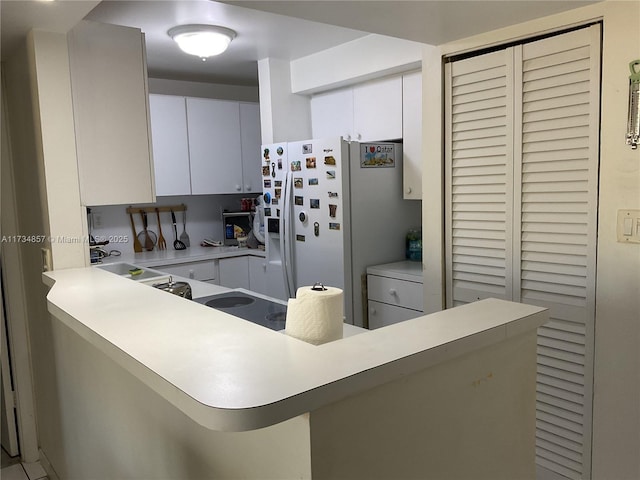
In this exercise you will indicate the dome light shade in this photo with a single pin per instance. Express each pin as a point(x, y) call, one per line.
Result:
point(202, 40)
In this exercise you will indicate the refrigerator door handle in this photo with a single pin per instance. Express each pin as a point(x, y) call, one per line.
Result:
point(286, 237)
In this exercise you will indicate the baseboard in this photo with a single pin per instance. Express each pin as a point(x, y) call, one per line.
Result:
point(46, 464)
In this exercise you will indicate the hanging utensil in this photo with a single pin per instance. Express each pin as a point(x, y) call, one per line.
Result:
point(633, 123)
point(184, 238)
point(137, 246)
point(146, 240)
point(177, 244)
point(162, 243)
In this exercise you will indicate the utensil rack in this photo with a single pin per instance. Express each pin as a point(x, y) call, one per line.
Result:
point(152, 209)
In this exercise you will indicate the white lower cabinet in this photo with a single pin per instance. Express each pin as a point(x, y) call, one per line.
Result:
point(205, 271)
point(395, 293)
point(234, 272)
point(258, 275)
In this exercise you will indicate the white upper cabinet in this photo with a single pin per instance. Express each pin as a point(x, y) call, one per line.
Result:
point(214, 146)
point(250, 137)
point(109, 90)
point(204, 146)
point(412, 135)
point(367, 112)
point(377, 110)
point(170, 145)
point(332, 114)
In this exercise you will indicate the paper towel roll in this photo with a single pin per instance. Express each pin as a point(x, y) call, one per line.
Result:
point(315, 316)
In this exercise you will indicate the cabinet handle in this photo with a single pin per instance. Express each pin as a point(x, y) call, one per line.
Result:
point(192, 275)
point(393, 292)
point(247, 188)
point(358, 137)
point(347, 138)
point(409, 190)
point(238, 188)
point(372, 310)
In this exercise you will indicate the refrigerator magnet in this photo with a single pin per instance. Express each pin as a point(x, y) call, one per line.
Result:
point(298, 182)
point(313, 181)
point(278, 183)
point(316, 229)
point(277, 212)
point(267, 212)
point(311, 162)
point(302, 216)
point(265, 154)
point(273, 169)
point(280, 151)
point(333, 194)
point(333, 210)
point(331, 174)
point(295, 166)
point(279, 164)
point(300, 238)
point(334, 226)
point(265, 171)
point(278, 192)
point(307, 148)
point(275, 201)
point(267, 198)
point(329, 160)
point(267, 183)
point(314, 203)
point(298, 200)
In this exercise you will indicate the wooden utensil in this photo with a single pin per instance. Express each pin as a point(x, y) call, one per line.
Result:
point(162, 243)
point(148, 241)
point(137, 246)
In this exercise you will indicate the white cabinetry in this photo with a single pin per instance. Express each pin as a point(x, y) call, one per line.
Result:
point(214, 146)
point(395, 293)
point(170, 144)
point(251, 141)
point(258, 275)
point(205, 146)
point(109, 90)
point(234, 272)
point(367, 112)
point(205, 271)
point(412, 135)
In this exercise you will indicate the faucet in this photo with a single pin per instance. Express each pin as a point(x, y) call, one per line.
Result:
point(97, 253)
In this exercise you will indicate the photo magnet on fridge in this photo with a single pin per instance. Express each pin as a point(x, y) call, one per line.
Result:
point(334, 226)
point(332, 210)
point(278, 183)
point(314, 203)
point(267, 183)
point(313, 181)
point(307, 148)
point(298, 182)
point(280, 150)
point(265, 154)
point(333, 194)
point(278, 192)
point(329, 160)
point(266, 171)
point(298, 200)
point(295, 166)
point(300, 238)
point(279, 164)
point(275, 201)
point(331, 174)
point(267, 212)
point(311, 162)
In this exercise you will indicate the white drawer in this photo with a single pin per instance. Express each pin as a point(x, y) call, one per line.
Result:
point(381, 314)
point(395, 292)
point(207, 270)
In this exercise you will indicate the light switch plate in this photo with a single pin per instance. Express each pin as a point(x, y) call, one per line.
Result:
point(47, 264)
point(628, 226)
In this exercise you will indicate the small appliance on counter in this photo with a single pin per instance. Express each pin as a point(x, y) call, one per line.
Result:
point(236, 224)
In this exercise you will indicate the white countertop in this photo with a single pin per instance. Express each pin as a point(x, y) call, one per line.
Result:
point(194, 253)
point(231, 375)
point(404, 270)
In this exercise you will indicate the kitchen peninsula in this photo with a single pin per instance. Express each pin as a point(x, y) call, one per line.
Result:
point(156, 386)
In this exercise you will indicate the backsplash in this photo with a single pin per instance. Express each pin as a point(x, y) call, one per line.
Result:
point(204, 219)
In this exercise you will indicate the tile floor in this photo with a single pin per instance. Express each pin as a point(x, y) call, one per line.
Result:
point(12, 469)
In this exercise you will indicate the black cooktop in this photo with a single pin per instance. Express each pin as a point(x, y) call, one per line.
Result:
point(254, 309)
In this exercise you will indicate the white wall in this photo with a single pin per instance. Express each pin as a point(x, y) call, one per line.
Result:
point(204, 90)
point(366, 58)
point(204, 220)
point(616, 422)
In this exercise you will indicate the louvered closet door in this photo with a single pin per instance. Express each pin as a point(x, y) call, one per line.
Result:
point(521, 211)
point(556, 195)
point(479, 156)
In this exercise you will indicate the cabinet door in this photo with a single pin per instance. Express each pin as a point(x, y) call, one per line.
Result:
point(109, 90)
point(412, 135)
point(377, 110)
point(258, 275)
point(381, 314)
point(170, 145)
point(234, 272)
point(332, 114)
point(204, 271)
point(251, 140)
point(214, 146)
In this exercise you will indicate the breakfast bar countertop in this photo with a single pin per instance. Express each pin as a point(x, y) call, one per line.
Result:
point(232, 375)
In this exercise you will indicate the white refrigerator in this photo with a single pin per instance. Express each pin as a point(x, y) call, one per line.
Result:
point(333, 208)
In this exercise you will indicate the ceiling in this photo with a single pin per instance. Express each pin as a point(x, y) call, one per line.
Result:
point(281, 29)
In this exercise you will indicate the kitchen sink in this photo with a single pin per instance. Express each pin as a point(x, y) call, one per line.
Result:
point(124, 270)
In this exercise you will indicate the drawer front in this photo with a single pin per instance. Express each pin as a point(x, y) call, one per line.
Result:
point(395, 292)
point(381, 314)
point(207, 270)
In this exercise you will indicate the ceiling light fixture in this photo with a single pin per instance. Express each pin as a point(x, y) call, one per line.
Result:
point(202, 40)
